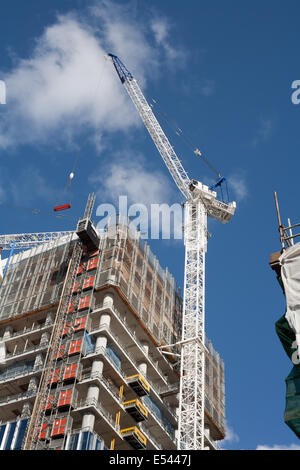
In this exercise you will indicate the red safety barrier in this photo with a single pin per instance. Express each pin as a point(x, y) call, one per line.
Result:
point(92, 264)
point(75, 347)
point(88, 282)
point(65, 398)
point(66, 329)
point(80, 324)
point(60, 352)
point(59, 427)
point(70, 372)
point(75, 287)
point(84, 303)
point(80, 269)
point(42, 431)
point(54, 379)
point(49, 403)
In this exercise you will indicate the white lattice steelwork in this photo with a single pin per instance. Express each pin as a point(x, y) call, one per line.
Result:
point(163, 145)
point(29, 240)
point(201, 202)
point(192, 366)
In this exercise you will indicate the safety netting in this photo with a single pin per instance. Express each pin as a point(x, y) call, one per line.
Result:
point(288, 331)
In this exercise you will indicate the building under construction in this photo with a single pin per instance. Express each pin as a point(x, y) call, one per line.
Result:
point(82, 319)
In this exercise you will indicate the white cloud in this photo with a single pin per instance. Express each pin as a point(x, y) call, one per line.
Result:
point(134, 180)
point(66, 87)
point(264, 131)
point(237, 186)
point(161, 30)
point(207, 88)
point(230, 438)
point(2, 192)
point(279, 447)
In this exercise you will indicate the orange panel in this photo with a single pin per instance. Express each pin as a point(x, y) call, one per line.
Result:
point(80, 324)
point(75, 287)
point(61, 351)
point(42, 431)
point(65, 398)
point(92, 264)
point(75, 347)
point(84, 303)
point(93, 253)
point(80, 269)
point(89, 282)
point(59, 427)
point(70, 372)
point(70, 308)
point(54, 378)
point(66, 329)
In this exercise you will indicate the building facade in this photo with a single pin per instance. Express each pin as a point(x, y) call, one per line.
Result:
point(80, 366)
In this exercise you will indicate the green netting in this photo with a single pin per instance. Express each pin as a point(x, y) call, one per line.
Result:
point(292, 406)
point(286, 335)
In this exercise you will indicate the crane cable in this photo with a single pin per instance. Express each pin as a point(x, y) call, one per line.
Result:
point(72, 174)
point(179, 132)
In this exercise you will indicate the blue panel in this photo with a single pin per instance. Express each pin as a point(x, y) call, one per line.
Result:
point(10, 436)
point(2, 431)
point(84, 440)
point(90, 443)
point(90, 343)
point(154, 409)
point(114, 357)
point(99, 445)
point(73, 441)
point(21, 434)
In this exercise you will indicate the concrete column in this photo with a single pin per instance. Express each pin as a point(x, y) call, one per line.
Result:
point(26, 410)
point(145, 347)
point(2, 351)
point(97, 367)
point(33, 384)
point(143, 368)
point(49, 318)
point(38, 361)
point(88, 422)
point(93, 393)
point(101, 342)
point(105, 320)
point(108, 300)
point(45, 337)
point(8, 332)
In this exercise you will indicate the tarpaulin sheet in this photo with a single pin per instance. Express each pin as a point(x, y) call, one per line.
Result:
point(290, 275)
point(288, 331)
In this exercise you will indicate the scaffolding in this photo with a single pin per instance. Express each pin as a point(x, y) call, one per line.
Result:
point(34, 286)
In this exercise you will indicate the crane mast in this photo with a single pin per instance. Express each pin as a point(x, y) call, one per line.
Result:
point(200, 203)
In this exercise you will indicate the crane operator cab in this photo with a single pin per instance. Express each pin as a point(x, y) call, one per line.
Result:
point(215, 208)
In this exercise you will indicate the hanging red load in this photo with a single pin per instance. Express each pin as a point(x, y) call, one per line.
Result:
point(64, 207)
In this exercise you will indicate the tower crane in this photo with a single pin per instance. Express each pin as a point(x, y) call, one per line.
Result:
point(200, 203)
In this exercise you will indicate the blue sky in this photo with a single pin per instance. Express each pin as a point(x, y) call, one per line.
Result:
point(223, 72)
